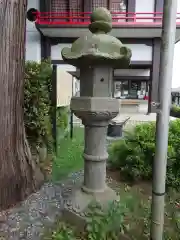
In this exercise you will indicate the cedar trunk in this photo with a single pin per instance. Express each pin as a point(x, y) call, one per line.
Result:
point(19, 175)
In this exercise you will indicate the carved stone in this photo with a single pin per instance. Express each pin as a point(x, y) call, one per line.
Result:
point(96, 55)
point(95, 109)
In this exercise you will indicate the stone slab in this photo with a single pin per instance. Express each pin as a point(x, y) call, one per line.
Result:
point(76, 207)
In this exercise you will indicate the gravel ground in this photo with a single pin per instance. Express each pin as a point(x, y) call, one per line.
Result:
point(41, 210)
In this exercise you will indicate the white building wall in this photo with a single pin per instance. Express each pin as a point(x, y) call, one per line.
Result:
point(132, 72)
point(64, 87)
point(33, 42)
point(140, 52)
point(178, 9)
point(56, 50)
point(146, 6)
point(68, 68)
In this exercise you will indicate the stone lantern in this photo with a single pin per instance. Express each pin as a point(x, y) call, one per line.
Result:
point(96, 55)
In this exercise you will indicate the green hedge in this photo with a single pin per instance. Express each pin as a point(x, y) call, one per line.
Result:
point(134, 155)
point(62, 117)
point(175, 111)
point(37, 105)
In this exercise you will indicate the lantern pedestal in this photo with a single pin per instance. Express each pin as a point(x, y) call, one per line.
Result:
point(76, 207)
point(95, 112)
point(96, 55)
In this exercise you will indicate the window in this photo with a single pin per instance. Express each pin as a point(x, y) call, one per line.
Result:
point(135, 87)
point(64, 7)
point(138, 89)
point(121, 89)
point(113, 5)
point(118, 7)
point(124, 88)
point(131, 89)
point(99, 3)
point(77, 5)
point(61, 7)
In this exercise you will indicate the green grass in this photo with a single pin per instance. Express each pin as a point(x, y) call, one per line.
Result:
point(69, 155)
point(69, 159)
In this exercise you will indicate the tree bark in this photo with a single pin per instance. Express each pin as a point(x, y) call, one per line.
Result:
point(19, 175)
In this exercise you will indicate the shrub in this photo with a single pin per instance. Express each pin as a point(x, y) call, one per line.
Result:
point(62, 117)
point(38, 109)
point(102, 222)
point(134, 155)
point(175, 111)
point(107, 223)
point(37, 103)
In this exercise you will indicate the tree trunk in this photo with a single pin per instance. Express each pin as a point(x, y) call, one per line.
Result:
point(19, 175)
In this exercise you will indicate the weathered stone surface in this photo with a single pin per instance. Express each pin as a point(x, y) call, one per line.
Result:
point(98, 48)
point(95, 108)
point(75, 212)
point(96, 55)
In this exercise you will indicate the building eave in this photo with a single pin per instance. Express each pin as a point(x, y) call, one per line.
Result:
point(125, 31)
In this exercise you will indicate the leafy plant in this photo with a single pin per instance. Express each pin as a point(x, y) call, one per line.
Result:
point(134, 155)
point(37, 103)
point(62, 117)
point(128, 219)
point(38, 109)
point(175, 111)
point(175, 108)
point(107, 223)
point(38, 112)
point(64, 232)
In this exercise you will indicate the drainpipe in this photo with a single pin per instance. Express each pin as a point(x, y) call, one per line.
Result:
point(162, 123)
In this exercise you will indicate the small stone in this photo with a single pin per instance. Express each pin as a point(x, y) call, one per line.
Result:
point(82, 214)
point(70, 207)
point(3, 219)
point(69, 203)
point(38, 212)
point(75, 209)
point(77, 206)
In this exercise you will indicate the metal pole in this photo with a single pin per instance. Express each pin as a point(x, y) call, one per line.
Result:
point(54, 106)
point(162, 123)
point(71, 117)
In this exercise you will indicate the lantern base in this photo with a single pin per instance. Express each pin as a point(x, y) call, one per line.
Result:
point(77, 206)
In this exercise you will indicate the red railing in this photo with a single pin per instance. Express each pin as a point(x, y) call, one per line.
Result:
point(83, 18)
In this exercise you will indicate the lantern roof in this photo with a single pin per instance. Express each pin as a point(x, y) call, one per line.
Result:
point(98, 47)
